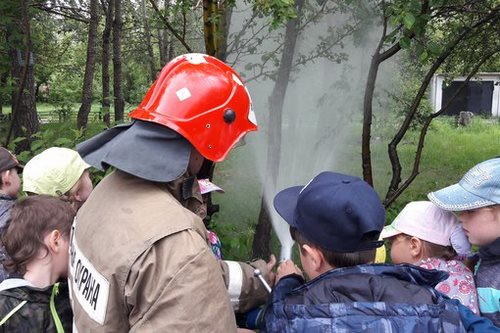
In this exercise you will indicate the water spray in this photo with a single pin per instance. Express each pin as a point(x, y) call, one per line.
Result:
point(282, 230)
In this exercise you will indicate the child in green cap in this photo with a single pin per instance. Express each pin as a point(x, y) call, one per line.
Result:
point(59, 172)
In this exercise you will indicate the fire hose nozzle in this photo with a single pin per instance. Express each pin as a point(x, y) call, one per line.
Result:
point(257, 273)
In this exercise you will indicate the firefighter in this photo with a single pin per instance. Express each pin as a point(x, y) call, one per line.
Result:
point(139, 256)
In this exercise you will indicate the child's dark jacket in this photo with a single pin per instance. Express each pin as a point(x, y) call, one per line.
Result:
point(488, 281)
point(6, 203)
point(376, 298)
point(35, 314)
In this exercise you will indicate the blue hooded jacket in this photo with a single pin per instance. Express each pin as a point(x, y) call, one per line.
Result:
point(380, 298)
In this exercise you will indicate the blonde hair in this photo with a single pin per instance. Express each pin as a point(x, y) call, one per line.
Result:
point(431, 250)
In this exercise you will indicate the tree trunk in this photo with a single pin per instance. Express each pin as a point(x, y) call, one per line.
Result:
point(106, 36)
point(262, 238)
point(149, 46)
point(83, 113)
point(210, 26)
point(367, 118)
point(162, 46)
point(170, 47)
point(216, 21)
point(225, 13)
point(117, 63)
point(24, 114)
point(3, 85)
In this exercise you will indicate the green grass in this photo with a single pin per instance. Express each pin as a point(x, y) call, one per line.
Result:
point(448, 153)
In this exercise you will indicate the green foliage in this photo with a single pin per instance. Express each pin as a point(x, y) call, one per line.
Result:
point(279, 10)
point(407, 82)
point(408, 18)
point(135, 84)
point(236, 238)
point(62, 134)
point(51, 135)
point(425, 29)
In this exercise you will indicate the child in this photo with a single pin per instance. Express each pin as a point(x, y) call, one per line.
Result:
point(427, 236)
point(10, 184)
point(206, 186)
point(37, 240)
point(336, 221)
point(59, 172)
point(476, 201)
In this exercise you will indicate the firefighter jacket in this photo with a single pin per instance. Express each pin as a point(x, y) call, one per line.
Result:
point(140, 262)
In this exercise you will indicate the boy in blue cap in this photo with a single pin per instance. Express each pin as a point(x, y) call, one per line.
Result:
point(476, 201)
point(336, 220)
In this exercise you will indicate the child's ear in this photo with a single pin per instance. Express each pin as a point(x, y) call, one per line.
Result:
point(54, 241)
point(416, 248)
point(6, 177)
point(314, 257)
point(76, 196)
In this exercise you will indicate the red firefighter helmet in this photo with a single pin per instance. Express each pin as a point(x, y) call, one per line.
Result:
point(204, 100)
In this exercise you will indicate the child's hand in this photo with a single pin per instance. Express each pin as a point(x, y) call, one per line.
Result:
point(287, 268)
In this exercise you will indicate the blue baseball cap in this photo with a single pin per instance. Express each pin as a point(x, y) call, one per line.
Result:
point(479, 187)
point(337, 212)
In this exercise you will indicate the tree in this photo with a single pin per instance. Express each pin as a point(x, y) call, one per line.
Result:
point(415, 22)
point(83, 113)
point(117, 63)
point(24, 120)
point(106, 37)
point(149, 46)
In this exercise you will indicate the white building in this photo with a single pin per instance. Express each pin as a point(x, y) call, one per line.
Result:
point(480, 96)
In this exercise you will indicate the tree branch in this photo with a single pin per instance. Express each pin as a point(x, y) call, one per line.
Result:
point(423, 132)
point(169, 27)
point(392, 147)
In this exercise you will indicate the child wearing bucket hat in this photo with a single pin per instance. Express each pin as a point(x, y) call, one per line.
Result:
point(475, 199)
point(427, 236)
point(10, 184)
point(59, 172)
point(336, 221)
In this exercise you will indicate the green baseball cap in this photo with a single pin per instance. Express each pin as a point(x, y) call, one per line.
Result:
point(53, 172)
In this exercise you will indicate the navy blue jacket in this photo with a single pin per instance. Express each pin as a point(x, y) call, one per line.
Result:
point(381, 298)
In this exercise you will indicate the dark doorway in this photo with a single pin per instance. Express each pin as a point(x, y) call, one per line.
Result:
point(475, 97)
